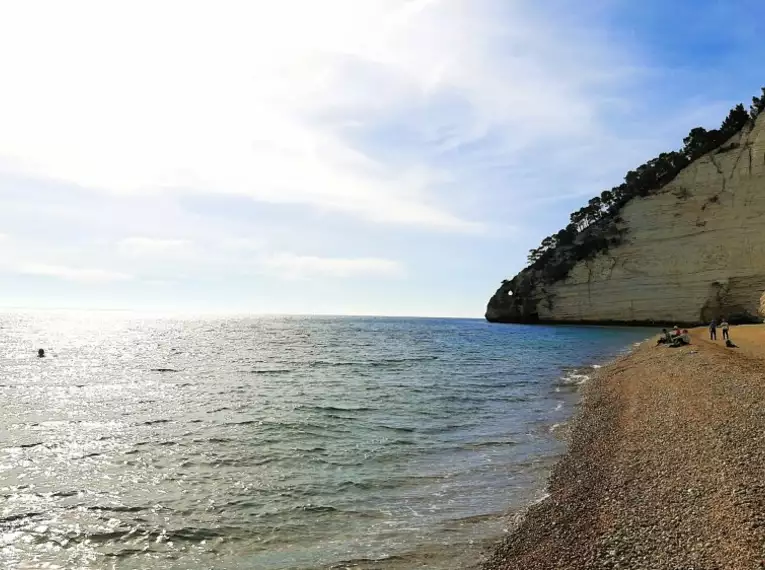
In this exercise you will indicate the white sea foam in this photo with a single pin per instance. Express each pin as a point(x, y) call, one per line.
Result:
point(575, 378)
point(517, 520)
point(541, 499)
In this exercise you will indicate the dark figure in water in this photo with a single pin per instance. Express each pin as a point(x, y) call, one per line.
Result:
point(713, 330)
point(41, 353)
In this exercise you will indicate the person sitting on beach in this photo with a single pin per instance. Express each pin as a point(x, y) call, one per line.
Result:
point(713, 330)
point(729, 343)
point(676, 331)
point(681, 340)
point(665, 338)
point(725, 326)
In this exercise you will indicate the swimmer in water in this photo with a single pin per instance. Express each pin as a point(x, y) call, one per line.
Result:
point(41, 353)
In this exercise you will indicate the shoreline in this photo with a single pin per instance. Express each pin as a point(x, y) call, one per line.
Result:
point(476, 552)
point(663, 468)
point(618, 323)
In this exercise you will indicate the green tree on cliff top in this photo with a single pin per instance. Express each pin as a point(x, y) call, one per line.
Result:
point(593, 228)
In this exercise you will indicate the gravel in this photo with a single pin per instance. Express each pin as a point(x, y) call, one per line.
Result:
point(666, 466)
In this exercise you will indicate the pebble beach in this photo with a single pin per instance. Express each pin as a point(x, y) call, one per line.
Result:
point(665, 468)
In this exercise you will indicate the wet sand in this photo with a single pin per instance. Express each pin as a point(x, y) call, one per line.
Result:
point(666, 466)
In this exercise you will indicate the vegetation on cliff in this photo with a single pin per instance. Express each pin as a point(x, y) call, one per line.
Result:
point(595, 228)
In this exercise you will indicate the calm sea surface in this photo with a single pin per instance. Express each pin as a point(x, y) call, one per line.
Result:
point(277, 443)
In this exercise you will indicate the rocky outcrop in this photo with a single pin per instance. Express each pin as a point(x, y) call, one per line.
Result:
point(693, 251)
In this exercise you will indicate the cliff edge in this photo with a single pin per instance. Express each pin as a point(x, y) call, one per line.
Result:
point(690, 251)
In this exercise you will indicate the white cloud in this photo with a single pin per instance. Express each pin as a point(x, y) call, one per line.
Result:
point(171, 111)
point(293, 266)
point(253, 128)
point(72, 273)
point(150, 247)
point(260, 99)
point(242, 244)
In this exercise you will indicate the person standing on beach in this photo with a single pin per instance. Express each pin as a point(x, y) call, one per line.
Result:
point(713, 330)
point(725, 326)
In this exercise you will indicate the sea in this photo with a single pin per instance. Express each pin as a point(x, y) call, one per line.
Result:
point(278, 443)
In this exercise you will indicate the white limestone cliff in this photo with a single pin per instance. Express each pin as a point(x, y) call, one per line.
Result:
point(693, 251)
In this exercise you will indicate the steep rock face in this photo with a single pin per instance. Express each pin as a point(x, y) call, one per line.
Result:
point(694, 251)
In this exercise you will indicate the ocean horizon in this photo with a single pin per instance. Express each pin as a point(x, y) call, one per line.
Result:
point(279, 442)
point(186, 313)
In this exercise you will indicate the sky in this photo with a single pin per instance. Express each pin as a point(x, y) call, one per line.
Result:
point(376, 157)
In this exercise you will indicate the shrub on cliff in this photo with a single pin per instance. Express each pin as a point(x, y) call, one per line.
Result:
point(758, 105)
point(594, 228)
